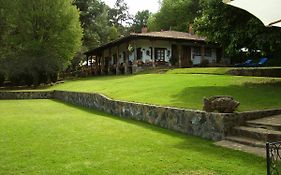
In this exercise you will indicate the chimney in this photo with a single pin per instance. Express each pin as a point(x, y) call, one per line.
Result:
point(190, 28)
point(144, 29)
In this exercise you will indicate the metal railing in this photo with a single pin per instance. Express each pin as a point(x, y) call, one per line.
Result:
point(273, 157)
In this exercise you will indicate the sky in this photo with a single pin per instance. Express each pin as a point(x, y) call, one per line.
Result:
point(137, 5)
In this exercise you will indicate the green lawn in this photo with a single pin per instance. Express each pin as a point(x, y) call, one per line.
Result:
point(183, 90)
point(211, 70)
point(48, 137)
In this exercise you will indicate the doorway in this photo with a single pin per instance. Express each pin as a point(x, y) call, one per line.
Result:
point(186, 57)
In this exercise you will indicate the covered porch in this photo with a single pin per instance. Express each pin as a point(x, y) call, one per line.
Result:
point(138, 52)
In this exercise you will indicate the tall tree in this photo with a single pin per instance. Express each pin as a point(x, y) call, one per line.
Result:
point(235, 29)
point(113, 33)
point(6, 26)
point(94, 19)
point(140, 19)
point(175, 15)
point(119, 14)
point(43, 37)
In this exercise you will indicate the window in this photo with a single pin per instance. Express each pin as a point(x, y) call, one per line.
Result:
point(160, 54)
point(139, 53)
point(115, 59)
point(197, 51)
point(208, 52)
point(124, 57)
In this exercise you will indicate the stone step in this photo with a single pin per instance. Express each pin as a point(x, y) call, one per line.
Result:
point(271, 123)
point(264, 135)
point(264, 126)
point(241, 147)
point(246, 141)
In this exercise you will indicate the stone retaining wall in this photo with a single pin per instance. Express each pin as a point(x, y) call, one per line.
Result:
point(260, 72)
point(26, 95)
point(214, 126)
point(198, 123)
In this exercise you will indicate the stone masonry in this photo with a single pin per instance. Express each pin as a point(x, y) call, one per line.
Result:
point(208, 125)
point(26, 95)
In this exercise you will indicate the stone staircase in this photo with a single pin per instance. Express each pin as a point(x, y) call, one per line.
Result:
point(253, 136)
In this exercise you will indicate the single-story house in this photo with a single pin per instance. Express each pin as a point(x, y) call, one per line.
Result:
point(138, 51)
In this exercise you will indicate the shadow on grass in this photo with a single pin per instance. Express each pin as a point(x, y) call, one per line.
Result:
point(104, 77)
point(129, 121)
point(252, 96)
point(47, 87)
point(188, 143)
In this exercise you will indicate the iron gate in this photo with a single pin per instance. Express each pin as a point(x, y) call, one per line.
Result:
point(273, 158)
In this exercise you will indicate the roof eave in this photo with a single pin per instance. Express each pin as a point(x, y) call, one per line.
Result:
point(137, 36)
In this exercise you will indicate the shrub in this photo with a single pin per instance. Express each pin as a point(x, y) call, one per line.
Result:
point(19, 79)
point(15, 79)
point(2, 78)
point(42, 77)
point(27, 79)
point(43, 39)
point(54, 77)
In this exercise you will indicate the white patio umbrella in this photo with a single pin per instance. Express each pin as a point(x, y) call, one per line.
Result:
point(268, 11)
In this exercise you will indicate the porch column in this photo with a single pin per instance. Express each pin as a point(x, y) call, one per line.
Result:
point(153, 53)
point(110, 62)
point(180, 54)
point(102, 64)
point(134, 65)
point(96, 64)
point(126, 59)
point(91, 63)
point(202, 53)
point(117, 63)
point(87, 65)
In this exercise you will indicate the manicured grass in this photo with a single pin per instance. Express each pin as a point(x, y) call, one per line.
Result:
point(183, 90)
point(48, 137)
point(211, 70)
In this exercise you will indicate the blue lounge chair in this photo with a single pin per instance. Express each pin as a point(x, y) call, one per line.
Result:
point(260, 63)
point(245, 64)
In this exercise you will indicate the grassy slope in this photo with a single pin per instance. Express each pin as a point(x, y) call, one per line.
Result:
point(183, 90)
point(211, 70)
point(47, 137)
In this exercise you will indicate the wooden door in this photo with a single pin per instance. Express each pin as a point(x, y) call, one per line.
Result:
point(186, 56)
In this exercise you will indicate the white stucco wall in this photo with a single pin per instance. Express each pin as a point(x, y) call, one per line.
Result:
point(196, 60)
point(145, 46)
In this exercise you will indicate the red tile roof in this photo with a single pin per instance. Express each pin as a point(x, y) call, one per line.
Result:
point(171, 35)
